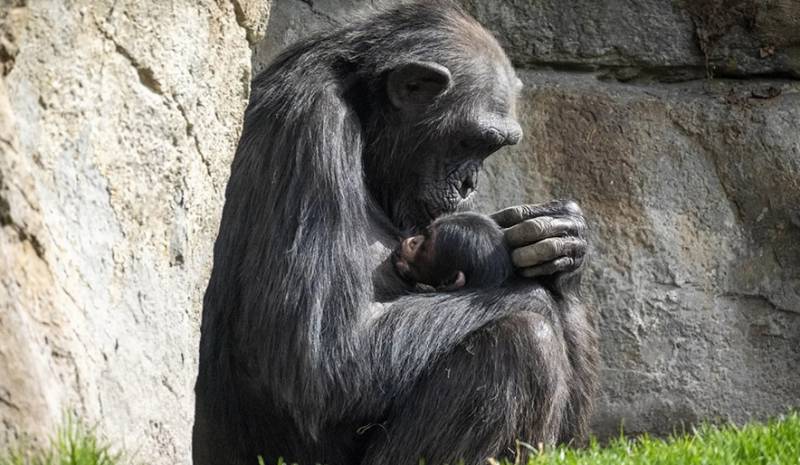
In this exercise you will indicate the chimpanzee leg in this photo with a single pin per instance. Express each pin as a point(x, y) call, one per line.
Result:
point(211, 444)
point(505, 382)
point(581, 338)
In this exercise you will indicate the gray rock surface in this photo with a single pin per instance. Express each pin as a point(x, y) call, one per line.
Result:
point(692, 187)
point(748, 37)
point(651, 40)
point(590, 33)
point(118, 121)
point(655, 39)
point(693, 192)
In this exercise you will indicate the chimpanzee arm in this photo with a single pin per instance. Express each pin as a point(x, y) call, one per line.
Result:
point(549, 244)
point(418, 328)
point(478, 370)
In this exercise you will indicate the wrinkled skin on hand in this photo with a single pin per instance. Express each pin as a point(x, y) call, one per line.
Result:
point(547, 241)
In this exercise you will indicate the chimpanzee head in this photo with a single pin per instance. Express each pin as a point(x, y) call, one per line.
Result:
point(437, 96)
point(454, 251)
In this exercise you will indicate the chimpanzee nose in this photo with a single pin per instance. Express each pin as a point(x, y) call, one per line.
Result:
point(513, 133)
point(495, 138)
point(493, 135)
point(509, 133)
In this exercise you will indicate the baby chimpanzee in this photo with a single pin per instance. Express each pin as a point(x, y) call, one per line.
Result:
point(458, 250)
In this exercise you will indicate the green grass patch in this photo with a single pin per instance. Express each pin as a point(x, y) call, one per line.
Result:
point(74, 444)
point(776, 442)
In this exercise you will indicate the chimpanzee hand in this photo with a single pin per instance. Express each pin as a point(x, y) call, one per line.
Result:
point(547, 239)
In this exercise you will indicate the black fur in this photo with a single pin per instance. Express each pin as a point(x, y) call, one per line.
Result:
point(297, 358)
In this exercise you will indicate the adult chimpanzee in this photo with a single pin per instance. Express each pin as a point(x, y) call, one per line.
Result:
point(351, 137)
point(456, 251)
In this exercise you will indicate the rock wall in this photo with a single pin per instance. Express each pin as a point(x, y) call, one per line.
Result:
point(118, 121)
point(693, 193)
point(677, 126)
point(674, 124)
point(693, 186)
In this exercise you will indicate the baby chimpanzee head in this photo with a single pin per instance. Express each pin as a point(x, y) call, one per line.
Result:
point(454, 251)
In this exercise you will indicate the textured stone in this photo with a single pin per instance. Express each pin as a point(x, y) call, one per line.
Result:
point(693, 192)
point(253, 16)
point(653, 39)
point(118, 121)
point(588, 33)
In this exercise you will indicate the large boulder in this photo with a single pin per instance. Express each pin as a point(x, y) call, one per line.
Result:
point(118, 121)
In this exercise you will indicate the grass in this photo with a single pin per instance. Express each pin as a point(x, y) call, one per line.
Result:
point(776, 442)
point(74, 444)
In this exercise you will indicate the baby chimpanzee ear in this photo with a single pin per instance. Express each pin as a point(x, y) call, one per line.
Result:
point(457, 283)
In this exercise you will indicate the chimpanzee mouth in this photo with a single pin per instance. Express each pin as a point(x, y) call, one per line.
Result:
point(468, 182)
point(459, 188)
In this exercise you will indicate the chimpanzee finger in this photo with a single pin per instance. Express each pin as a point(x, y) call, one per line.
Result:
point(510, 216)
point(548, 250)
point(561, 265)
point(537, 229)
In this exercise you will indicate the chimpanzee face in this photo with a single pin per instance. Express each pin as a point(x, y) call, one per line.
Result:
point(443, 120)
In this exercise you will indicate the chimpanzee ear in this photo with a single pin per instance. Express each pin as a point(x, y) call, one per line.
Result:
point(417, 84)
point(455, 284)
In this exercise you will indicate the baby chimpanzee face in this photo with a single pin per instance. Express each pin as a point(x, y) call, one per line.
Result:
point(415, 258)
point(454, 251)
